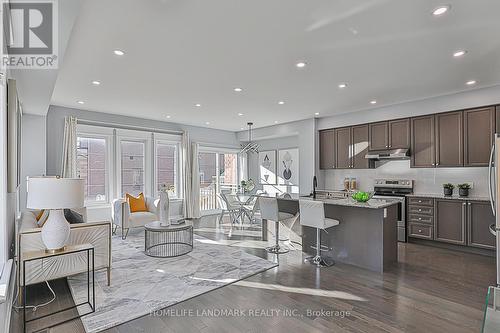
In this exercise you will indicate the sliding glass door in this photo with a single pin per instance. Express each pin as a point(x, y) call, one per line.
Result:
point(218, 173)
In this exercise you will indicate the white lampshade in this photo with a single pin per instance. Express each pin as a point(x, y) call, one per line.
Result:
point(55, 193)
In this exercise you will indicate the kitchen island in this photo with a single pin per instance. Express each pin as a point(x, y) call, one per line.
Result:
point(366, 236)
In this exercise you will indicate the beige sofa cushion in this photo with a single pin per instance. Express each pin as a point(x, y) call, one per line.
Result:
point(141, 218)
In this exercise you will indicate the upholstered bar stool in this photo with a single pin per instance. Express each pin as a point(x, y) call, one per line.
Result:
point(269, 211)
point(312, 214)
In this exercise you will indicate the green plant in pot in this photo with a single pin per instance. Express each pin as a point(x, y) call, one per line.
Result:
point(448, 189)
point(463, 189)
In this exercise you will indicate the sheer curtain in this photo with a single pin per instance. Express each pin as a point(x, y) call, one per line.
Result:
point(195, 180)
point(68, 169)
point(191, 205)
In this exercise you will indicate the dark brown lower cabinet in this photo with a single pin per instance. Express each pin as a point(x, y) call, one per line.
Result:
point(479, 218)
point(450, 221)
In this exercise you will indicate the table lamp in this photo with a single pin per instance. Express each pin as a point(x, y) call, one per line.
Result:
point(55, 194)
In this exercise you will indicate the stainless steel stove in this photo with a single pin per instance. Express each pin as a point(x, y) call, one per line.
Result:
point(395, 189)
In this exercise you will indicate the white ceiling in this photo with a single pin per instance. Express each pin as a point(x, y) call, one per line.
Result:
point(183, 52)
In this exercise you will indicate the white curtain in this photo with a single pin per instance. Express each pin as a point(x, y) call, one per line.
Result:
point(191, 205)
point(68, 169)
point(195, 180)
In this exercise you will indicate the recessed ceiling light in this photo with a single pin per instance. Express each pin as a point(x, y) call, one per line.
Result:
point(238, 89)
point(471, 82)
point(80, 102)
point(207, 123)
point(197, 105)
point(240, 114)
point(316, 113)
point(96, 83)
point(275, 121)
point(342, 85)
point(119, 52)
point(281, 102)
point(241, 128)
point(168, 117)
point(459, 53)
point(300, 64)
point(373, 102)
point(440, 10)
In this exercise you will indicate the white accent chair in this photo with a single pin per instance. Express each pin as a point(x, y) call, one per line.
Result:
point(312, 214)
point(269, 211)
point(124, 219)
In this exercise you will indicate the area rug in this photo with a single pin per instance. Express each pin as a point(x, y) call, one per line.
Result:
point(142, 284)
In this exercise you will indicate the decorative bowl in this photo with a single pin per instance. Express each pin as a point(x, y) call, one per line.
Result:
point(361, 196)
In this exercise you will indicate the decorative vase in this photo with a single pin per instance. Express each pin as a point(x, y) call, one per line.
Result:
point(448, 191)
point(55, 231)
point(463, 192)
point(164, 207)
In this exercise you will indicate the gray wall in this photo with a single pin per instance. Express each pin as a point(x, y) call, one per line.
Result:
point(426, 180)
point(55, 131)
point(33, 151)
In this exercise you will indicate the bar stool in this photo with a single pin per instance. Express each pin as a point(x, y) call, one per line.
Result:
point(312, 214)
point(269, 211)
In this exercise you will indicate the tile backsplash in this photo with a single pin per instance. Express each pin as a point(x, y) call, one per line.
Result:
point(427, 180)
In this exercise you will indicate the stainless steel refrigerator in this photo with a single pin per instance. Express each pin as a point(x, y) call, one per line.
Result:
point(494, 187)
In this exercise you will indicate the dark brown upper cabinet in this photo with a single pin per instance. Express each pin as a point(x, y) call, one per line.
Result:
point(399, 134)
point(479, 130)
point(359, 147)
point(423, 153)
point(479, 218)
point(379, 136)
point(343, 156)
point(449, 139)
point(450, 220)
point(327, 149)
point(393, 134)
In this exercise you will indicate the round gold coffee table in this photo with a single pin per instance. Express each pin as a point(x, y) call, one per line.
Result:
point(168, 241)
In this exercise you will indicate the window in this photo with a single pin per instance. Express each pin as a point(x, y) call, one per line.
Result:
point(92, 167)
point(132, 167)
point(167, 167)
point(114, 162)
point(218, 173)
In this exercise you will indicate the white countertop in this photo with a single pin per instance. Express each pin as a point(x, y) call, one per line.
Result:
point(454, 197)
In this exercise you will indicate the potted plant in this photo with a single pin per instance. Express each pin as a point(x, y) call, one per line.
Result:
point(448, 189)
point(463, 189)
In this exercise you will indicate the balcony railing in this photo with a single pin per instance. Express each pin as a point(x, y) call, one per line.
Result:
point(208, 195)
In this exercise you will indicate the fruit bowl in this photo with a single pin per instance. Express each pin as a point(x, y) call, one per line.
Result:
point(362, 196)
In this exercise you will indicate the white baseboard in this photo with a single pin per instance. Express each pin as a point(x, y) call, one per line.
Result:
point(7, 284)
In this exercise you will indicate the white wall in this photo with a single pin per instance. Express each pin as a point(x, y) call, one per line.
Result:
point(303, 134)
point(33, 151)
point(427, 180)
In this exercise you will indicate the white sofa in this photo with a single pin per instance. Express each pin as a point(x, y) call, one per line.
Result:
point(28, 238)
point(124, 219)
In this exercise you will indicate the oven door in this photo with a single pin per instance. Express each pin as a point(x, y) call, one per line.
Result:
point(401, 214)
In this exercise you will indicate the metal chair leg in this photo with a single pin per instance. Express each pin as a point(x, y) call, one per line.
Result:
point(318, 260)
point(125, 234)
point(277, 249)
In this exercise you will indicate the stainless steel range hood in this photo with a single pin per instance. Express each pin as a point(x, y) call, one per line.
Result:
point(392, 154)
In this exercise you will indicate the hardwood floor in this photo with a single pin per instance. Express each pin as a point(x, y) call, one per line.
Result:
point(428, 290)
